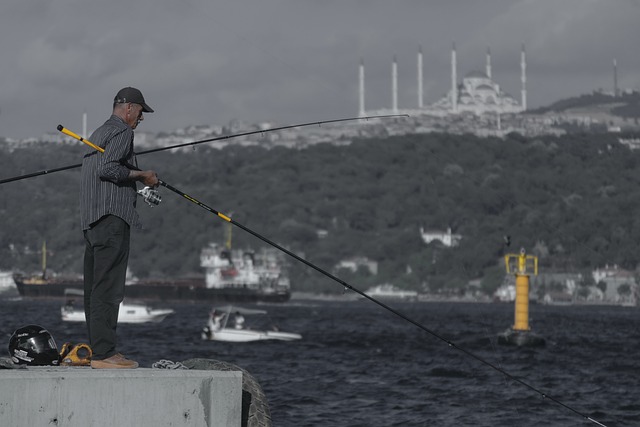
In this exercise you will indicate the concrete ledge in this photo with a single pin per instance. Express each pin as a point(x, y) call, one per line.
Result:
point(74, 396)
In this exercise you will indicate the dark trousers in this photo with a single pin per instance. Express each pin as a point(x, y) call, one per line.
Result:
point(105, 268)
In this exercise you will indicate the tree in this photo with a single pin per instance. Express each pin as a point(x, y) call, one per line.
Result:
point(602, 285)
point(624, 290)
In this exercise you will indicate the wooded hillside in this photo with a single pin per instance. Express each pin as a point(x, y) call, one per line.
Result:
point(572, 200)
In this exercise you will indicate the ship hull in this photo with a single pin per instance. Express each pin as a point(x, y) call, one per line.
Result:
point(185, 290)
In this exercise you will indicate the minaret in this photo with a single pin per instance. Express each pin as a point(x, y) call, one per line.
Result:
point(394, 88)
point(361, 112)
point(523, 78)
point(84, 125)
point(489, 62)
point(420, 103)
point(454, 78)
point(615, 78)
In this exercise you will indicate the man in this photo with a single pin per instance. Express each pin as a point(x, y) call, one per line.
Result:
point(107, 209)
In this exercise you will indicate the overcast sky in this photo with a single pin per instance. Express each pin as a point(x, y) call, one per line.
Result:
point(292, 61)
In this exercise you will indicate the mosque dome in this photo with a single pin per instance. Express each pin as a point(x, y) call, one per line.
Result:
point(476, 74)
point(485, 87)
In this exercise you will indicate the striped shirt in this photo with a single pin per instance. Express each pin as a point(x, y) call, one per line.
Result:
point(105, 187)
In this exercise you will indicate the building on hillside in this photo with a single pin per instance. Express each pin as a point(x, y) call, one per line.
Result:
point(447, 238)
point(505, 293)
point(355, 263)
point(478, 94)
point(556, 288)
point(632, 143)
point(620, 285)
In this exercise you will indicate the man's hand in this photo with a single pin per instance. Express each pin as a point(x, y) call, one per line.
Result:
point(148, 178)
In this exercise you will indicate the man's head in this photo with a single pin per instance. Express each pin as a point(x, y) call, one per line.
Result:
point(129, 104)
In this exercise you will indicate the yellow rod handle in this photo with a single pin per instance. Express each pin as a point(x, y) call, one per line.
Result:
point(79, 138)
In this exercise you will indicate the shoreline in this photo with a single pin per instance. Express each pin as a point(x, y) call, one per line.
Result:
point(353, 296)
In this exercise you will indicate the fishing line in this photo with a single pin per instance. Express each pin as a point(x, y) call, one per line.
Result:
point(186, 144)
point(348, 286)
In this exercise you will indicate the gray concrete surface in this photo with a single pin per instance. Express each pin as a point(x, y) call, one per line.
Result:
point(85, 397)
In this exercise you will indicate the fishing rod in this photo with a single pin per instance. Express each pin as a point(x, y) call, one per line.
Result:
point(253, 132)
point(39, 173)
point(218, 138)
point(352, 288)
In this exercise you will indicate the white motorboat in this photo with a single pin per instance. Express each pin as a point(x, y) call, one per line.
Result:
point(128, 313)
point(219, 327)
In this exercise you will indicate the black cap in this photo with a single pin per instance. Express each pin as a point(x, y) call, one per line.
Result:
point(131, 94)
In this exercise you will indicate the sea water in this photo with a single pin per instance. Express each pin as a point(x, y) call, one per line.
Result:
point(358, 364)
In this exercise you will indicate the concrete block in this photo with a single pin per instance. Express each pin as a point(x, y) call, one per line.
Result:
point(143, 397)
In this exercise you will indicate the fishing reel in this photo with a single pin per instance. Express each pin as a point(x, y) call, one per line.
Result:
point(150, 196)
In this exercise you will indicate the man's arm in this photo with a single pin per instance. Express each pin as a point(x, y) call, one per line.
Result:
point(117, 148)
point(116, 170)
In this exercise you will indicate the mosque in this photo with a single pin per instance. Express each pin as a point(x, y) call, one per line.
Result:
point(477, 93)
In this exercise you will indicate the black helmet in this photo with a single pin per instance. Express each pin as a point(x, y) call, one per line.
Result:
point(33, 345)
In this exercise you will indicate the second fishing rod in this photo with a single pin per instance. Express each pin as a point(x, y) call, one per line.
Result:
point(348, 286)
point(194, 143)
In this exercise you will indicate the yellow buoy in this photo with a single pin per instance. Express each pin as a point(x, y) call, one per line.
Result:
point(522, 266)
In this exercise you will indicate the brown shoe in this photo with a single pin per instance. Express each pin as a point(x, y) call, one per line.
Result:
point(117, 361)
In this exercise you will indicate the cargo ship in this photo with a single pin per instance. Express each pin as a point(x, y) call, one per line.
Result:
point(231, 276)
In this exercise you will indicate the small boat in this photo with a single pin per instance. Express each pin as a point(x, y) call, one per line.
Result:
point(219, 327)
point(129, 313)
